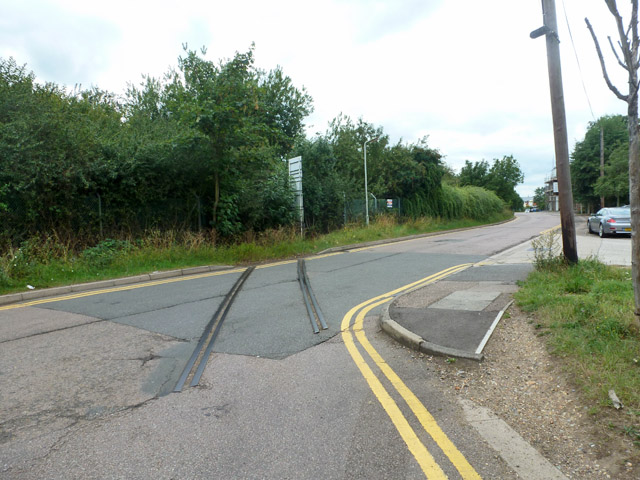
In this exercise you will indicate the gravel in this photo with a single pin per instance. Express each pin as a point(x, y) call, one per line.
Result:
point(525, 386)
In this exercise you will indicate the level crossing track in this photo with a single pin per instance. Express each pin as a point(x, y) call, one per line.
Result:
point(197, 362)
point(310, 301)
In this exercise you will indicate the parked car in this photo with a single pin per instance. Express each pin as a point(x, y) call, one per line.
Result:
point(610, 221)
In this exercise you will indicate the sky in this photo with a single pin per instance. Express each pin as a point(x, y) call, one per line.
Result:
point(463, 73)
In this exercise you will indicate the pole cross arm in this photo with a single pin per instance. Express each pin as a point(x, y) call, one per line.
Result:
point(538, 32)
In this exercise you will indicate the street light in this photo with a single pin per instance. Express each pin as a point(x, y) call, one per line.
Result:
point(366, 188)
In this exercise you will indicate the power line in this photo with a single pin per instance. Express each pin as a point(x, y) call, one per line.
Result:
point(575, 52)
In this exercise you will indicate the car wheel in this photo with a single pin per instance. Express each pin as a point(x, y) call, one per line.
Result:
point(601, 231)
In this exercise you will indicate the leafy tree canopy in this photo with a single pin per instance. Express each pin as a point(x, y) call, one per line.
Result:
point(585, 158)
point(501, 177)
point(539, 198)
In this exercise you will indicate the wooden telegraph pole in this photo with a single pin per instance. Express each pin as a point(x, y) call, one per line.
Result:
point(601, 162)
point(550, 31)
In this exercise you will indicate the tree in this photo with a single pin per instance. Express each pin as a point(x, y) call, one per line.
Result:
point(250, 120)
point(50, 143)
point(539, 198)
point(615, 182)
point(501, 178)
point(629, 43)
point(504, 175)
point(476, 174)
point(585, 158)
point(324, 189)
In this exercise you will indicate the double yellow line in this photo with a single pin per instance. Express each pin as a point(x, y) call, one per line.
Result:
point(429, 466)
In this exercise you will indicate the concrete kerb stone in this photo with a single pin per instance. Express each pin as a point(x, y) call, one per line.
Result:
point(167, 274)
point(129, 280)
point(195, 270)
point(13, 298)
point(416, 342)
point(83, 287)
point(34, 294)
point(374, 243)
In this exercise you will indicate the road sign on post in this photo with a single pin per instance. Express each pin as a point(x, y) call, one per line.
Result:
point(295, 177)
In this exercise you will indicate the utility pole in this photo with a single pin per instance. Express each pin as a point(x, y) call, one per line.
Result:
point(550, 31)
point(601, 162)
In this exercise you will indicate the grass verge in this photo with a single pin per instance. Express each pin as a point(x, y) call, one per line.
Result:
point(46, 262)
point(585, 314)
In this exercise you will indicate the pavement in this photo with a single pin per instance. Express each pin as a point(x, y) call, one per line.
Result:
point(455, 317)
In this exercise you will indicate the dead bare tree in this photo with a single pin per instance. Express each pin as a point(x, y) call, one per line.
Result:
point(628, 45)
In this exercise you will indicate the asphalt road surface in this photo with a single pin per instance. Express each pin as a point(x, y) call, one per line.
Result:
point(87, 380)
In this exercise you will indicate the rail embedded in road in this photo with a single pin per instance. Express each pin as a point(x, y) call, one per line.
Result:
point(199, 358)
point(315, 314)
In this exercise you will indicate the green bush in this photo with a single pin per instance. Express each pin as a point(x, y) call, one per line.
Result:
point(105, 253)
point(455, 202)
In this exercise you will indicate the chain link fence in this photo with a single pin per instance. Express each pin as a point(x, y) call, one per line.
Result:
point(354, 210)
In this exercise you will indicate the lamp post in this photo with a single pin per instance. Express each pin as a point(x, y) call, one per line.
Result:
point(366, 187)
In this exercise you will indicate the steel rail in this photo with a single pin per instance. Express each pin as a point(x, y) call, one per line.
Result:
point(210, 334)
point(307, 294)
point(316, 307)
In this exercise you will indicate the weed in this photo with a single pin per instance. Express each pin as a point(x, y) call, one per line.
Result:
point(547, 251)
point(106, 252)
point(633, 432)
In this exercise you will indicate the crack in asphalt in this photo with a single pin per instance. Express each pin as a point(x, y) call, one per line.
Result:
point(166, 307)
point(77, 423)
point(161, 336)
point(361, 263)
point(61, 329)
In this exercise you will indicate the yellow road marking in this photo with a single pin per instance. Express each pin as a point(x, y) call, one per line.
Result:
point(417, 448)
point(557, 227)
point(428, 465)
point(419, 410)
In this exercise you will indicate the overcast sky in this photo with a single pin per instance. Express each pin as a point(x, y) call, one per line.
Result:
point(464, 73)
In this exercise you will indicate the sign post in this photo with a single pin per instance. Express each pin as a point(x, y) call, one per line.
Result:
point(295, 177)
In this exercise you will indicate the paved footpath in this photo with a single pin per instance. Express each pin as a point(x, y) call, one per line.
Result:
point(456, 316)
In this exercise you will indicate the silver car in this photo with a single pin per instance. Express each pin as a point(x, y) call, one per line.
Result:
point(610, 221)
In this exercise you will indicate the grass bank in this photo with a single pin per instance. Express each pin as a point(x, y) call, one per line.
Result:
point(48, 262)
point(585, 314)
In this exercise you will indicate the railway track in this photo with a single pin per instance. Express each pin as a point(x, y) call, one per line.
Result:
point(313, 309)
point(197, 362)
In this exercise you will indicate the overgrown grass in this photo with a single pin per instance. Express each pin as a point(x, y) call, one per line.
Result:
point(48, 262)
point(585, 313)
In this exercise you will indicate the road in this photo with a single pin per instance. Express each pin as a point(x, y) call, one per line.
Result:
point(86, 380)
